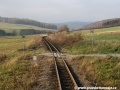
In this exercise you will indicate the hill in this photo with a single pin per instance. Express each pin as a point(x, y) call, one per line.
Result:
point(9, 28)
point(72, 25)
point(102, 24)
point(100, 32)
point(102, 41)
point(27, 22)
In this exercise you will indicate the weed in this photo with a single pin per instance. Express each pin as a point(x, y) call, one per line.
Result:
point(2, 57)
point(35, 43)
point(101, 71)
point(61, 38)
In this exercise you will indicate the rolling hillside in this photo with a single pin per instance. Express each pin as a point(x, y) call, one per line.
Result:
point(27, 22)
point(102, 24)
point(112, 33)
point(9, 28)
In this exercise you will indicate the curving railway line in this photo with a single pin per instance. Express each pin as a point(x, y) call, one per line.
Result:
point(64, 77)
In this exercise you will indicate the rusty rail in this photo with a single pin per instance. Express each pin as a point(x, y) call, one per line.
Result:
point(56, 68)
point(51, 46)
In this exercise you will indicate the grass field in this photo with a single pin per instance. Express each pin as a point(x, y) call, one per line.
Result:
point(98, 31)
point(98, 47)
point(10, 27)
point(16, 66)
point(102, 41)
point(19, 71)
point(10, 44)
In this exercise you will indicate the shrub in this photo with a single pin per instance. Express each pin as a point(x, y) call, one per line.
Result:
point(63, 28)
point(74, 38)
point(2, 33)
point(61, 38)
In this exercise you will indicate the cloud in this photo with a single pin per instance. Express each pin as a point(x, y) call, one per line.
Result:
point(60, 10)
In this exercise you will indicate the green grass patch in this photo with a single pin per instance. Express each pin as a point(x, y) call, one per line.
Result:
point(105, 41)
point(98, 31)
point(8, 26)
point(99, 46)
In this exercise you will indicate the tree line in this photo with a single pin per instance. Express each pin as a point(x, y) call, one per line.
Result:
point(32, 31)
point(22, 32)
point(102, 24)
point(112, 23)
point(27, 22)
point(4, 33)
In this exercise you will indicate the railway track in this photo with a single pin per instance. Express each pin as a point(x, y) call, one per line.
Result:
point(65, 79)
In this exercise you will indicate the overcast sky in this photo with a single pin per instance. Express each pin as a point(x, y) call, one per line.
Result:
point(54, 11)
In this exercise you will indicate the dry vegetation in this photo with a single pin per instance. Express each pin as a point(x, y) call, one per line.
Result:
point(35, 43)
point(2, 57)
point(47, 80)
point(62, 38)
point(27, 75)
point(43, 77)
point(98, 71)
point(19, 71)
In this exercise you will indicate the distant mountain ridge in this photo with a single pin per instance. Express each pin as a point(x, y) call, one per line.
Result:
point(27, 22)
point(102, 24)
point(73, 24)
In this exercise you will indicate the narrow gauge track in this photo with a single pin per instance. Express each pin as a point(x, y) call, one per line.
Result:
point(64, 76)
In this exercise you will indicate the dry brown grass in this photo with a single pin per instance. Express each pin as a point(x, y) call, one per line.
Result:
point(2, 56)
point(28, 75)
point(35, 43)
point(62, 38)
point(117, 66)
point(100, 71)
point(25, 57)
point(80, 70)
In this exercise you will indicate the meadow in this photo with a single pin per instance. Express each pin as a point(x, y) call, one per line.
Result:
point(92, 70)
point(18, 71)
point(17, 27)
point(102, 41)
point(17, 68)
point(97, 31)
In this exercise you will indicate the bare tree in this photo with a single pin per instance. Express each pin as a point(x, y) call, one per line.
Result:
point(63, 28)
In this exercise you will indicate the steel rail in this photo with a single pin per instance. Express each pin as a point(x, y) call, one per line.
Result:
point(70, 74)
point(56, 68)
point(53, 46)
